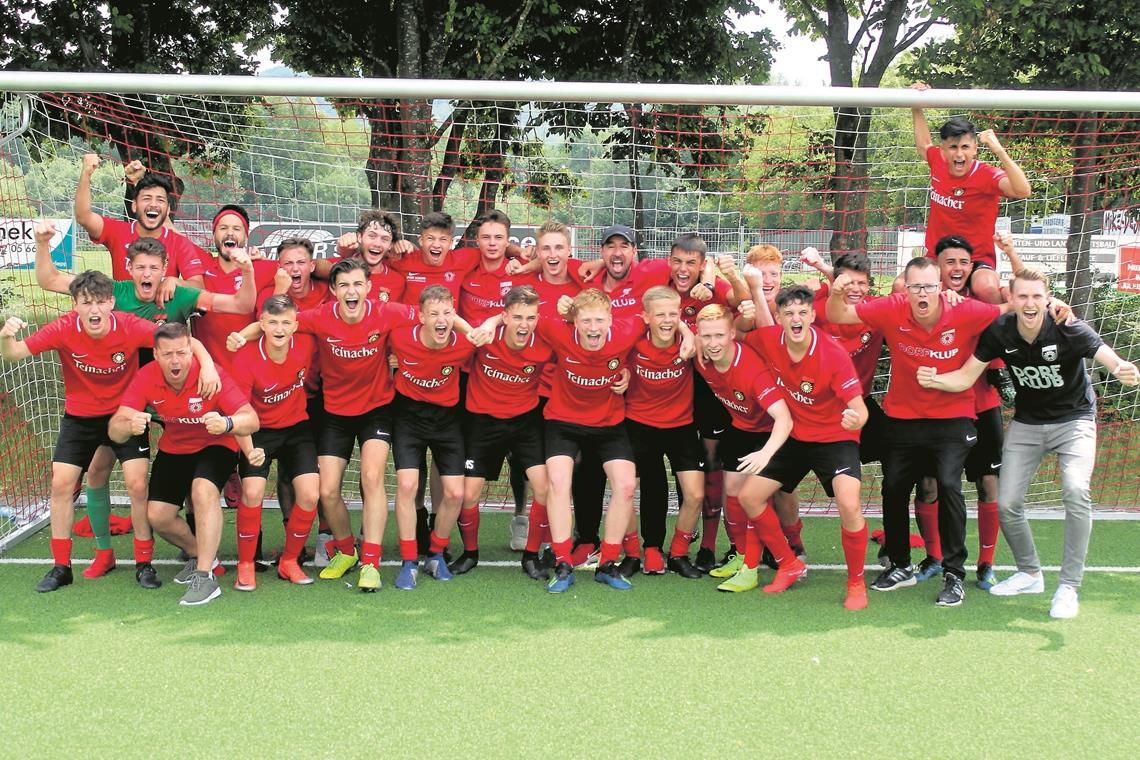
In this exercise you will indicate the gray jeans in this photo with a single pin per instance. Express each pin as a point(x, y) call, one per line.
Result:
point(1025, 445)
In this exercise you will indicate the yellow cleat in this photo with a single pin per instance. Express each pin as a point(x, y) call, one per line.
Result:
point(729, 568)
point(338, 565)
point(369, 580)
point(744, 580)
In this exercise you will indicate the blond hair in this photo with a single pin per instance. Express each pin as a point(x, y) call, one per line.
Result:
point(551, 227)
point(1030, 275)
point(590, 298)
point(764, 254)
point(659, 293)
point(713, 312)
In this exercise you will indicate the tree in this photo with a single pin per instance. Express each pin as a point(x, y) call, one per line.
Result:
point(175, 36)
point(884, 29)
point(1087, 45)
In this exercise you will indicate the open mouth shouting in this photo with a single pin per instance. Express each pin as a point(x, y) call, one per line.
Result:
point(593, 339)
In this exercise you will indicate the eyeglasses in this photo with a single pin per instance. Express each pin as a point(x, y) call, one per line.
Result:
point(923, 287)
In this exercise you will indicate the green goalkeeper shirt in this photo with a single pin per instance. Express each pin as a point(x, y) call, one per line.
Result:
point(177, 309)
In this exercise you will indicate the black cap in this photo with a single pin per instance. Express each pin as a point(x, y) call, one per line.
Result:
point(619, 230)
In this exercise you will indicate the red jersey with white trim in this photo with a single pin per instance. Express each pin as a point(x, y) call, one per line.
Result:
point(481, 292)
point(387, 283)
point(318, 294)
point(548, 294)
point(213, 327)
point(817, 387)
point(354, 357)
point(276, 391)
point(746, 389)
point(582, 391)
point(625, 297)
point(504, 381)
point(427, 374)
point(985, 395)
point(418, 273)
point(183, 258)
point(661, 385)
point(690, 306)
point(966, 206)
point(181, 412)
point(945, 346)
point(864, 345)
point(96, 371)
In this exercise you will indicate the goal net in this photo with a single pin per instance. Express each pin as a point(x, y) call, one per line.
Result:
point(736, 174)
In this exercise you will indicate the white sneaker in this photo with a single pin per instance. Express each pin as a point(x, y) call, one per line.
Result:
point(1020, 583)
point(1065, 604)
point(519, 526)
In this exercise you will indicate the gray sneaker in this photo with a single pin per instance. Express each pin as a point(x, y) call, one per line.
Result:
point(186, 574)
point(519, 526)
point(203, 588)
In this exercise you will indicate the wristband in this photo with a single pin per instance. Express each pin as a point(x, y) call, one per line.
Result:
point(229, 425)
point(708, 285)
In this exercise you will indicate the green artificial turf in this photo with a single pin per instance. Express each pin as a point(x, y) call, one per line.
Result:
point(489, 665)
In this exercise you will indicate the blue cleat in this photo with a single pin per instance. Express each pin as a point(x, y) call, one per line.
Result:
point(927, 569)
point(610, 574)
point(406, 580)
point(563, 578)
point(436, 566)
point(986, 577)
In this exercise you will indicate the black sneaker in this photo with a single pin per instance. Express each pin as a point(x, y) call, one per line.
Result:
point(59, 575)
point(147, 576)
point(533, 567)
point(894, 577)
point(629, 566)
point(547, 558)
point(952, 593)
point(465, 564)
point(610, 574)
point(706, 560)
point(683, 567)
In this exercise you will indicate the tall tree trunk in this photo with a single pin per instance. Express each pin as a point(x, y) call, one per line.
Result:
point(1082, 205)
point(849, 182)
point(380, 170)
point(452, 155)
point(414, 163)
point(494, 164)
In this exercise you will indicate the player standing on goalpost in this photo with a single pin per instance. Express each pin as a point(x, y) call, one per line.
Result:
point(1055, 411)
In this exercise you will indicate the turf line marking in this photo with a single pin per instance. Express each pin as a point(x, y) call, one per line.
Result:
point(512, 563)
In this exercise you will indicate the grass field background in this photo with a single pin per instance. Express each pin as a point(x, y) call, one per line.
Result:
point(489, 665)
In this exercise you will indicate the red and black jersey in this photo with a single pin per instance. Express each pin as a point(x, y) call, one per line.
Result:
point(212, 328)
point(429, 374)
point(582, 390)
point(419, 274)
point(966, 206)
point(504, 381)
point(275, 390)
point(864, 345)
point(746, 389)
point(661, 386)
point(183, 258)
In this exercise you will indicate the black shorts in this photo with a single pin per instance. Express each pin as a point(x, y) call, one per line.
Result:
point(292, 447)
point(795, 459)
point(609, 442)
point(873, 436)
point(79, 437)
point(985, 456)
point(682, 445)
point(172, 474)
point(421, 426)
point(736, 443)
point(488, 440)
point(710, 416)
point(340, 433)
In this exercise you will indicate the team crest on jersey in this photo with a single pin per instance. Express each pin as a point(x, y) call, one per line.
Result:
point(947, 337)
point(301, 373)
point(373, 337)
point(1049, 353)
point(690, 311)
point(677, 360)
point(612, 364)
point(806, 386)
point(529, 369)
point(865, 337)
point(237, 283)
point(118, 357)
point(959, 192)
point(384, 296)
point(739, 395)
point(449, 276)
point(195, 404)
point(504, 288)
point(447, 370)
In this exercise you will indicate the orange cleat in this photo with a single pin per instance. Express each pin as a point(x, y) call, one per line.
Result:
point(786, 576)
point(289, 570)
point(246, 576)
point(856, 596)
point(104, 563)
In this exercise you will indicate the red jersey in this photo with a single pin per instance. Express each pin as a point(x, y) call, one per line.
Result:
point(183, 258)
point(317, 295)
point(945, 346)
point(418, 273)
point(581, 391)
point(354, 357)
point(276, 391)
point(427, 374)
point(96, 371)
point(864, 345)
point(481, 293)
point(966, 206)
point(661, 386)
point(387, 283)
point(690, 306)
point(213, 327)
point(625, 297)
point(746, 389)
point(504, 381)
point(817, 387)
point(181, 411)
point(549, 293)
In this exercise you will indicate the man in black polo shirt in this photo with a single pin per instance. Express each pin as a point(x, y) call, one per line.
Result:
point(1055, 411)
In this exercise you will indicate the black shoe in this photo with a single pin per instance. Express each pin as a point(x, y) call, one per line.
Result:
point(629, 566)
point(706, 560)
point(952, 593)
point(59, 575)
point(728, 556)
point(893, 578)
point(683, 567)
point(533, 567)
point(304, 558)
point(769, 561)
point(465, 564)
point(547, 558)
point(147, 576)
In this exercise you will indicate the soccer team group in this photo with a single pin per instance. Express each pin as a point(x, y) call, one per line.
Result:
point(577, 373)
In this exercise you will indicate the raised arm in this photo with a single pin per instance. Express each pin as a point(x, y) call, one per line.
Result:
point(1122, 370)
point(952, 382)
point(47, 276)
point(1014, 184)
point(87, 218)
point(245, 299)
point(740, 289)
point(11, 349)
point(838, 310)
point(922, 139)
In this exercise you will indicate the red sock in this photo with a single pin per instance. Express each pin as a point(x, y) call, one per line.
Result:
point(438, 543)
point(927, 517)
point(346, 546)
point(767, 527)
point(537, 526)
point(323, 527)
point(469, 528)
point(753, 548)
point(104, 561)
point(61, 551)
point(711, 509)
point(297, 531)
point(370, 554)
point(988, 525)
point(609, 553)
point(562, 550)
point(409, 551)
point(735, 521)
point(144, 550)
point(792, 532)
point(855, 552)
point(632, 545)
point(679, 546)
point(248, 526)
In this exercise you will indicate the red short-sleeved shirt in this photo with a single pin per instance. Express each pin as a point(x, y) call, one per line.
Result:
point(863, 344)
point(183, 258)
point(317, 295)
point(504, 381)
point(481, 292)
point(418, 273)
point(625, 297)
point(661, 386)
point(746, 389)
point(582, 388)
point(213, 327)
point(966, 206)
point(427, 374)
point(276, 391)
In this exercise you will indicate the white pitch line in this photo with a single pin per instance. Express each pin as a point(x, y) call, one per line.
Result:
point(510, 563)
